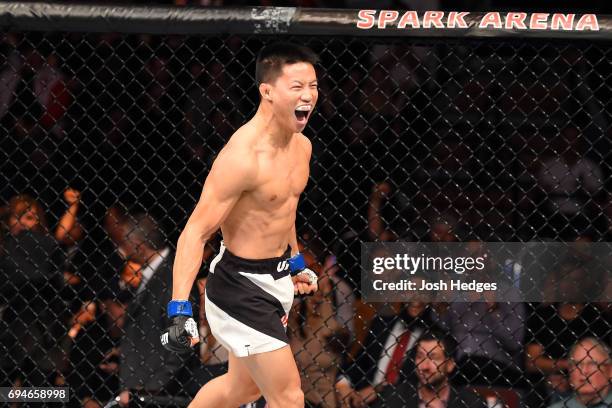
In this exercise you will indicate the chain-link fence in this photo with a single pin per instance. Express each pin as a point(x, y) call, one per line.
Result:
point(413, 139)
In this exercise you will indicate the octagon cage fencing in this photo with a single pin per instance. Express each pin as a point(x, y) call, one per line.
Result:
point(111, 118)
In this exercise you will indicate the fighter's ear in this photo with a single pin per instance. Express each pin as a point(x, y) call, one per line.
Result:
point(265, 90)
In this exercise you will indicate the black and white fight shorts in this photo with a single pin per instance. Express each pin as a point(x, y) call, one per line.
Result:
point(248, 302)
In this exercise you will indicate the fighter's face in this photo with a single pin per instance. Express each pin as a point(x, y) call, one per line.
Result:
point(294, 95)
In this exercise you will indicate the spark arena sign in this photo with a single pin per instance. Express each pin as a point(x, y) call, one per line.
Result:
point(382, 19)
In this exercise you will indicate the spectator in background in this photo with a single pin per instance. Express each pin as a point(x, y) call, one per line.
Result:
point(69, 231)
point(380, 362)
point(29, 270)
point(146, 366)
point(571, 183)
point(96, 263)
point(490, 337)
point(434, 363)
point(94, 356)
point(590, 373)
point(552, 331)
point(68, 234)
point(489, 329)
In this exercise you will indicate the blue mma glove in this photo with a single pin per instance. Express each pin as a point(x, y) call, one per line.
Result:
point(297, 266)
point(178, 336)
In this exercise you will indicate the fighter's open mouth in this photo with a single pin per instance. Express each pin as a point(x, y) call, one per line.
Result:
point(301, 115)
point(302, 111)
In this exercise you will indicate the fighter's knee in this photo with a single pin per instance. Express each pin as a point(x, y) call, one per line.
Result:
point(248, 394)
point(290, 397)
point(246, 398)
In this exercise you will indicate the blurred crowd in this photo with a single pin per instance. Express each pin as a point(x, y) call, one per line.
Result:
point(106, 140)
point(86, 312)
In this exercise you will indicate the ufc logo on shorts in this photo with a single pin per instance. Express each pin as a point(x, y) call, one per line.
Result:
point(282, 266)
point(164, 339)
point(284, 320)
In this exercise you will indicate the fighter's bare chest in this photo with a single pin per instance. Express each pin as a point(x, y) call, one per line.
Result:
point(280, 181)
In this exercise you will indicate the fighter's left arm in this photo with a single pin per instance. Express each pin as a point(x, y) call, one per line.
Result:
point(304, 279)
point(293, 241)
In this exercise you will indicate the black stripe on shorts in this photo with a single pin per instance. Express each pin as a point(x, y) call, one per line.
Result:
point(242, 299)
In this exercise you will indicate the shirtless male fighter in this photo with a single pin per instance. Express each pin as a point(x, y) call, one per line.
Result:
point(252, 194)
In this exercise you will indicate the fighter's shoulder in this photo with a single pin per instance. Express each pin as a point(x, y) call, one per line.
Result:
point(305, 143)
point(238, 153)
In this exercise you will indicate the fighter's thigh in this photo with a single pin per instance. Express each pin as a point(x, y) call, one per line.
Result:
point(240, 376)
point(274, 372)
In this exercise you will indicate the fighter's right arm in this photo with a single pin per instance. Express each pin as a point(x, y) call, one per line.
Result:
point(231, 174)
